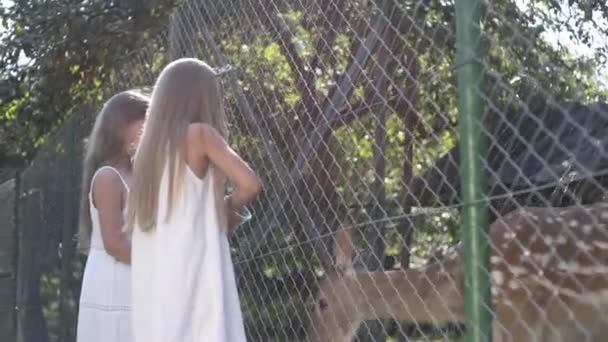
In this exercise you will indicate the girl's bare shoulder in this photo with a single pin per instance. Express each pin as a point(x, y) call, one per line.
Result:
point(107, 176)
point(106, 184)
point(201, 135)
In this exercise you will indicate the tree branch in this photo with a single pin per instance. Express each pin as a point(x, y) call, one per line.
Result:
point(277, 162)
point(304, 73)
point(329, 22)
point(311, 140)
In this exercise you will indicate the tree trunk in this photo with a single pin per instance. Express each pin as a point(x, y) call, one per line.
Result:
point(375, 232)
point(373, 255)
point(410, 120)
point(320, 185)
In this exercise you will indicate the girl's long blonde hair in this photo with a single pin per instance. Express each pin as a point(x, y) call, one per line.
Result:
point(105, 146)
point(187, 91)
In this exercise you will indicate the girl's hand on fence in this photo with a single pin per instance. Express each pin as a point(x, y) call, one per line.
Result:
point(237, 218)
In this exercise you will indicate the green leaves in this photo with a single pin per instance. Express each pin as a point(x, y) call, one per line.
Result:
point(62, 53)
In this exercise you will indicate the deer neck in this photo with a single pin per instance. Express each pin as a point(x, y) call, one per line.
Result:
point(426, 294)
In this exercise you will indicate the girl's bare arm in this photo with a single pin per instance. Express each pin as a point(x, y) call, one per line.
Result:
point(213, 146)
point(108, 199)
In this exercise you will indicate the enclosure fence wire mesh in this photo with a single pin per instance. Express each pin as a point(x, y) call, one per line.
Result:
point(348, 110)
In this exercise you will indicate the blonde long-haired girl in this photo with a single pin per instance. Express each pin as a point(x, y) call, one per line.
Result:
point(182, 275)
point(105, 298)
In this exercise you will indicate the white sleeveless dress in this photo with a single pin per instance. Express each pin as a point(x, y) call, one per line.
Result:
point(105, 298)
point(184, 288)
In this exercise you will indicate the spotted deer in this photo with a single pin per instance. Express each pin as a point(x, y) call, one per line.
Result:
point(549, 282)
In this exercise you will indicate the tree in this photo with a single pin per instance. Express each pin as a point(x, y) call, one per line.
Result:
point(60, 60)
point(56, 56)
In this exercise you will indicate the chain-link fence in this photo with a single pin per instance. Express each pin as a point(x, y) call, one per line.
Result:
point(349, 111)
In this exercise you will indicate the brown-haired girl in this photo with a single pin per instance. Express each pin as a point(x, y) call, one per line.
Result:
point(105, 300)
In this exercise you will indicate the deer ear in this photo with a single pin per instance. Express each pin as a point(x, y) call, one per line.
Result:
point(344, 250)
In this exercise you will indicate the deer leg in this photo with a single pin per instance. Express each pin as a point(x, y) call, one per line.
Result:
point(515, 322)
point(574, 319)
point(497, 332)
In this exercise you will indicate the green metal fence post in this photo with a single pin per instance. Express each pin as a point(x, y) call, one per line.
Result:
point(472, 147)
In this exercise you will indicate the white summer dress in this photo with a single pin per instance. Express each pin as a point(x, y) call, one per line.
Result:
point(105, 298)
point(184, 288)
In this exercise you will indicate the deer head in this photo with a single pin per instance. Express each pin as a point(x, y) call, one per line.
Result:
point(549, 276)
point(346, 298)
